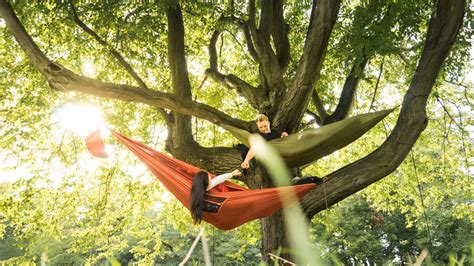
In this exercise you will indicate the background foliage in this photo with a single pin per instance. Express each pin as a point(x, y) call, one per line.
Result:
point(59, 204)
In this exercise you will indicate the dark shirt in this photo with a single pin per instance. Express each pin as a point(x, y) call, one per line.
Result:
point(275, 134)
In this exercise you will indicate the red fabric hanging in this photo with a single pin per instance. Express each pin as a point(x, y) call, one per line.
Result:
point(236, 204)
point(95, 144)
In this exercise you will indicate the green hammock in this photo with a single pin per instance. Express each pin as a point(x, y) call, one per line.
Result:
point(310, 145)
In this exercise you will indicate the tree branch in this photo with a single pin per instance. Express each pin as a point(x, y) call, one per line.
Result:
point(180, 141)
point(404, 59)
point(377, 85)
point(261, 40)
point(213, 51)
point(279, 32)
point(319, 107)
point(252, 26)
point(180, 128)
point(230, 81)
point(244, 25)
point(62, 78)
point(447, 112)
point(352, 81)
point(116, 54)
point(443, 28)
point(466, 87)
point(271, 74)
point(170, 247)
point(266, 15)
point(269, 67)
point(295, 101)
point(248, 40)
point(348, 92)
point(316, 119)
point(250, 93)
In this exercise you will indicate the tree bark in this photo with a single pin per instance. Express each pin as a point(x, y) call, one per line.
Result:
point(288, 107)
point(348, 91)
point(274, 237)
point(180, 141)
point(180, 134)
point(294, 102)
point(279, 31)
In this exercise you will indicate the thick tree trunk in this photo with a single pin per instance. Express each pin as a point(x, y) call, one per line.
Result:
point(272, 228)
point(274, 237)
point(180, 134)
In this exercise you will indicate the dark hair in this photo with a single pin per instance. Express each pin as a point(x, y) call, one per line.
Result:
point(198, 189)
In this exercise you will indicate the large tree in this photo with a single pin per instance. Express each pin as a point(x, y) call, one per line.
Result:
point(279, 71)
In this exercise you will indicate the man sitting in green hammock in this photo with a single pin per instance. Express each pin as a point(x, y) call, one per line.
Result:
point(263, 124)
point(265, 130)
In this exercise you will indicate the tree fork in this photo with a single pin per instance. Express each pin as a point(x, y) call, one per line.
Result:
point(295, 101)
point(348, 91)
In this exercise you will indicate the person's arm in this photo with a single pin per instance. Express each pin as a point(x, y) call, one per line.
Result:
point(246, 163)
point(221, 178)
point(284, 134)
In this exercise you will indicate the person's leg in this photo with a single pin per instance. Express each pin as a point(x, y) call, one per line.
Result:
point(309, 179)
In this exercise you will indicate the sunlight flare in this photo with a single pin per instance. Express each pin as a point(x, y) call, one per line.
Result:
point(88, 68)
point(81, 119)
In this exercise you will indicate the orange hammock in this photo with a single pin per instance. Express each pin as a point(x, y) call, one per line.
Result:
point(231, 205)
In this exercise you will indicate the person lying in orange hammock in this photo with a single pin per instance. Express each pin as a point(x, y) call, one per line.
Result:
point(202, 182)
point(227, 205)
